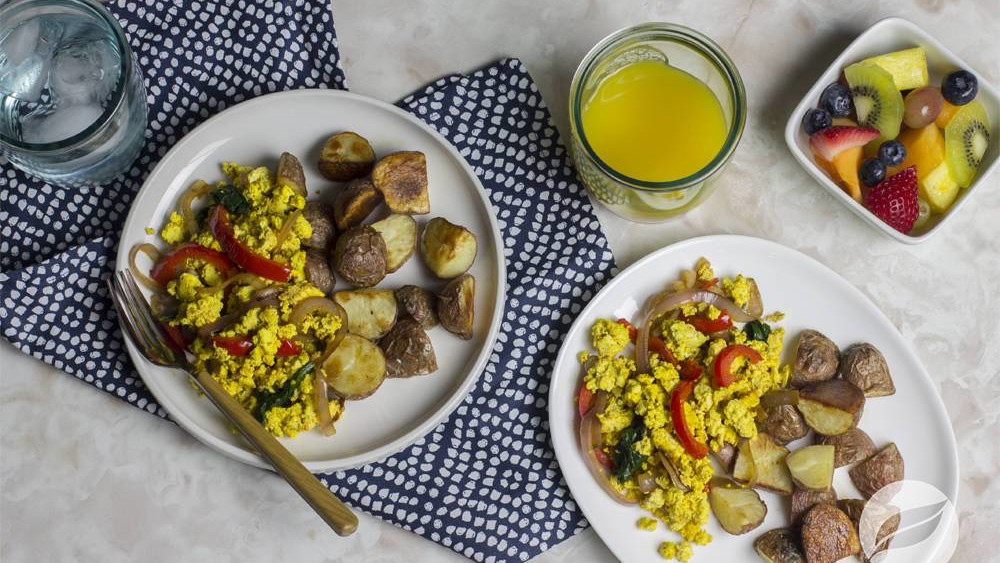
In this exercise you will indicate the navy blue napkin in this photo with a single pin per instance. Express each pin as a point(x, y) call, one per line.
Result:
point(485, 482)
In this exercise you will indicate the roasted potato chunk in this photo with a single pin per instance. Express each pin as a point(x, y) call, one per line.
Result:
point(816, 359)
point(743, 467)
point(726, 456)
point(320, 217)
point(402, 179)
point(448, 249)
point(780, 545)
point(865, 367)
point(456, 306)
point(878, 471)
point(770, 471)
point(849, 447)
point(738, 510)
point(360, 256)
point(828, 535)
point(354, 203)
point(418, 304)
point(317, 270)
point(804, 499)
point(355, 369)
point(346, 156)
point(811, 467)
point(887, 515)
point(831, 407)
point(785, 424)
point(370, 312)
point(400, 235)
point(290, 173)
point(408, 350)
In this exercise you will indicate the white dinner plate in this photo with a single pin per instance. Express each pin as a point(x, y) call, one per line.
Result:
point(255, 133)
point(812, 296)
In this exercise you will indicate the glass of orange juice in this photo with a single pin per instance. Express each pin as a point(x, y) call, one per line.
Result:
point(656, 111)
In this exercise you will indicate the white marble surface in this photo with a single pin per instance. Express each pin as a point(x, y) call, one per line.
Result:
point(84, 477)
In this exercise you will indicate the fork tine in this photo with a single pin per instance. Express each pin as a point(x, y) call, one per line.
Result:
point(154, 335)
point(124, 313)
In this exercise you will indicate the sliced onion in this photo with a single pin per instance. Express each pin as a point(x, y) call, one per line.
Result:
point(667, 301)
point(755, 305)
point(267, 297)
point(245, 278)
point(154, 255)
point(286, 229)
point(675, 476)
point(779, 397)
point(647, 482)
point(311, 305)
point(590, 441)
point(197, 189)
point(323, 405)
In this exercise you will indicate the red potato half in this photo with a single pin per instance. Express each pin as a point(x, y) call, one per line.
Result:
point(831, 407)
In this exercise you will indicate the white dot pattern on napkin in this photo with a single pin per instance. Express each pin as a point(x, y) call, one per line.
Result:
point(484, 483)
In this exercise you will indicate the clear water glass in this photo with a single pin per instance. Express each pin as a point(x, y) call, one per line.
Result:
point(72, 101)
point(687, 50)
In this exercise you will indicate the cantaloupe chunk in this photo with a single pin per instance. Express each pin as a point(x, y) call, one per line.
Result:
point(844, 170)
point(924, 149)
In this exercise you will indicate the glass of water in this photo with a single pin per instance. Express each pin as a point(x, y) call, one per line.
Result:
point(72, 101)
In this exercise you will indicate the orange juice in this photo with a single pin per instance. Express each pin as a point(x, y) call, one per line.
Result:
point(653, 122)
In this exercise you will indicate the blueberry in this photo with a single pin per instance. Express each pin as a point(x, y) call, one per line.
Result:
point(816, 120)
point(892, 153)
point(836, 99)
point(872, 171)
point(959, 87)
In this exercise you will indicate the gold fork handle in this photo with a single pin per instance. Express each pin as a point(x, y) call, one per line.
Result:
point(334, 512)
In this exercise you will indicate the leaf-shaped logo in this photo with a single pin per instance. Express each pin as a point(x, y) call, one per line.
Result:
point(904, 516)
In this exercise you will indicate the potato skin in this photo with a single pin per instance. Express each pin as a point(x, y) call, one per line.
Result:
point(408, 350)
point(402, 179)
point(456, 306)
point(784, 423)
point(864, 366)
point(346, 156)
point(418, 304)
point(882, 469)
point(290, 173)
point(354, 203)
point(318, 270)
point(781, 545)
point(360, 256)
point(849, 447)
point(816, 359)
point(320, 217)
point(803, 500)
point(828, 535)
point(854, 508)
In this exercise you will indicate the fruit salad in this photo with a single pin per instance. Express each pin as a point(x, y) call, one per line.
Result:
point(894, 142)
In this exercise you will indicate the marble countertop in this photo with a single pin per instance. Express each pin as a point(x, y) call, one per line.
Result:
point(85, 477)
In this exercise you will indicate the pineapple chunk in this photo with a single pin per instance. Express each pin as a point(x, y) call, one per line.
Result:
point(907, 67)
point(939, 189)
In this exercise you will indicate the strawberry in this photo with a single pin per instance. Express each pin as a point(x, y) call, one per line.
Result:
point(894, 200)
point(833, 140)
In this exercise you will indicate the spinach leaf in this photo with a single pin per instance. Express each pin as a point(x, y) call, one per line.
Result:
point(282, 396)
point(230, 197)
point(756, 330)
point(203, 214)
point(627, 460)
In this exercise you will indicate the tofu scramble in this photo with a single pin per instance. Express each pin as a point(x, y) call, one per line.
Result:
point(232, 292)
point(646, 429)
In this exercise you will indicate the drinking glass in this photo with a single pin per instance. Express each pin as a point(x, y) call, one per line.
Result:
point(72, 101)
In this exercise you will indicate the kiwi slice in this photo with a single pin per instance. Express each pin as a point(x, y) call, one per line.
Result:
point(877, 101)
point(965, 141)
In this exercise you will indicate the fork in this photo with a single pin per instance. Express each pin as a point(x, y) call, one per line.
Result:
point(148, 336)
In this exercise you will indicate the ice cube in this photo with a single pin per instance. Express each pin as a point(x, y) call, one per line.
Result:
point(25, 80)
point(83, 72)
point(63, 123)
point(20, 42)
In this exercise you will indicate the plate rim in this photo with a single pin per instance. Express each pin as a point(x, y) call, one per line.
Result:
point(563, 450)
point(386, 450)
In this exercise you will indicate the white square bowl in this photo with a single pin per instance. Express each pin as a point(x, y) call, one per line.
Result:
point(894, 34)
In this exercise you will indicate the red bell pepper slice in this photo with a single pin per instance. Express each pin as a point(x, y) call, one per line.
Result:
point(690, 370)
point(632, 331)
point(175, 337)
point(693, 447)
point(603, 458)
point(238, 252)
point(584, 400)
point(168, 267)
point(705, 325)
point(657, 346)
point(724, 361)
point(241, 346)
